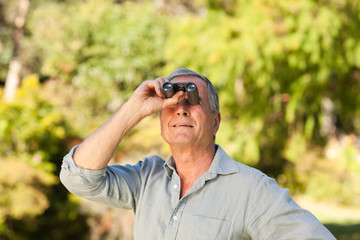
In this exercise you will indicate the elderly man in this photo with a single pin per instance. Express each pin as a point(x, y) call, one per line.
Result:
point(199, 192)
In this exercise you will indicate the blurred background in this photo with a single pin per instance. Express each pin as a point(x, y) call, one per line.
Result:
point(287, 73)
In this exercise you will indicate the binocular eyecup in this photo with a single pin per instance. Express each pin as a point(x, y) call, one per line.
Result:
point(170, 89)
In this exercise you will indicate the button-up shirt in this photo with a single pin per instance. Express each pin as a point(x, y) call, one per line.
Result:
point(229, 201)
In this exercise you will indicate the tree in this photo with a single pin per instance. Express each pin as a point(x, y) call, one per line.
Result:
point(13, 76)
point(288, 80)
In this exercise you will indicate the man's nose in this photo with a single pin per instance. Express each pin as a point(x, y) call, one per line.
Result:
point(183, 108)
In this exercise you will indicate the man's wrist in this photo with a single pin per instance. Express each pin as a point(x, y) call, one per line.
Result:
point(132, 108)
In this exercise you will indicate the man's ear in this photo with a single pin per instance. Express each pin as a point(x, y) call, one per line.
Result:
point(217, 119)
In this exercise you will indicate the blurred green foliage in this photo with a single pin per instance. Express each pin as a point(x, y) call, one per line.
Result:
point(103, 51)
point(287, 73)
point(33, 135)
point(22, 195)
point(31, 123)
point(288, 77)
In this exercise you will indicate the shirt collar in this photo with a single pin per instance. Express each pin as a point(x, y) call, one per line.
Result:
point(221, 164)
point(169, 166)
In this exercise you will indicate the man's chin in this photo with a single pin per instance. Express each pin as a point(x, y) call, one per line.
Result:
point(182, 141)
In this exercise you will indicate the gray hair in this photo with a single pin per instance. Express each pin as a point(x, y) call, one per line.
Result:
point(212, 93)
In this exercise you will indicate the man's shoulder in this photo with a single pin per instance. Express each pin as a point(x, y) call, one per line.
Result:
point(249, 174)
point(152, 162)
point(238, 169)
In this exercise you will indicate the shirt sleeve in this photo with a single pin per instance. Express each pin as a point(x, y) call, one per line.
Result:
point(118, 186)
point(277, 216)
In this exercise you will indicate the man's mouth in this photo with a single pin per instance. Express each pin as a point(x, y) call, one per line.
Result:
point(182, 125)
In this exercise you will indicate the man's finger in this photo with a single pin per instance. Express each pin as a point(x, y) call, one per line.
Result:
point(158, 86)
point(175, 99)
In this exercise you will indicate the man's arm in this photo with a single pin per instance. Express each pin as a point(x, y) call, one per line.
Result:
point(274, 215)
point(96, 151)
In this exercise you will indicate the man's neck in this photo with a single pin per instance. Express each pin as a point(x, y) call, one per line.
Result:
point(191, 163)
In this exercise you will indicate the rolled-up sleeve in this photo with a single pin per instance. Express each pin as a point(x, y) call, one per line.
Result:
point(118, 186)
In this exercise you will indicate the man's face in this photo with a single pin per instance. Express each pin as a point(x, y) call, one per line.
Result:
point(190, 125)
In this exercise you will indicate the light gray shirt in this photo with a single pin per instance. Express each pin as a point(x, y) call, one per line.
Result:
point(229, 201)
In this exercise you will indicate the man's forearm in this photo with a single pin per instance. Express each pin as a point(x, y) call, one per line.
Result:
point(96, 151)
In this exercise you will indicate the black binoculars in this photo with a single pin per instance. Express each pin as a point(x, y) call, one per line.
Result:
point(171, 88)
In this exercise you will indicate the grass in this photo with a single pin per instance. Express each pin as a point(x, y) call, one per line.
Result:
point(344, 231)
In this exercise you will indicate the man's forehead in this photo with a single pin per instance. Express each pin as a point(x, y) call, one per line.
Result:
point(189, 78)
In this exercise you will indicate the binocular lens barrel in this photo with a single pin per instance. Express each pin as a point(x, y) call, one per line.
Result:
point(193, 95)
point(190, 87)
point(167, 87)
point(168, 90)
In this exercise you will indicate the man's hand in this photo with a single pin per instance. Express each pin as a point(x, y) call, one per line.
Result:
point(97, 149)
point(149, 97)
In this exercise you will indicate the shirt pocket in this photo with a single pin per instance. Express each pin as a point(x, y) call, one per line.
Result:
point(206, 228)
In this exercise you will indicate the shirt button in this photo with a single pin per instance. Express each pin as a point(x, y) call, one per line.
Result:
point(174, 218)
point(175, 186)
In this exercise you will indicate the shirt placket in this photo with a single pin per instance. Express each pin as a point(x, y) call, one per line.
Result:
point(178, 208)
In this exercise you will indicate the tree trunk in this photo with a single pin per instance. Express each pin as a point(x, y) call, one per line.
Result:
point(159, 4)
point(13, 76)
